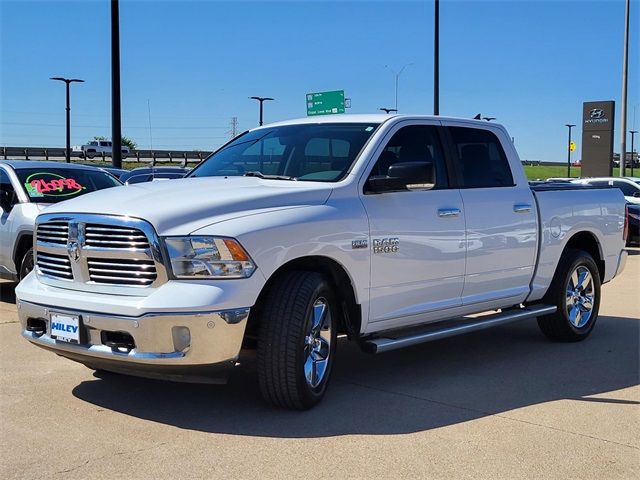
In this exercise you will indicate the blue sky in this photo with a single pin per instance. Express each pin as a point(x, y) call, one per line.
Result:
point(531, 64)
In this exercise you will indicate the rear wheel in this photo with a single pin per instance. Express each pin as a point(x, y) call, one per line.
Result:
point(575, 291)
point(297, 340)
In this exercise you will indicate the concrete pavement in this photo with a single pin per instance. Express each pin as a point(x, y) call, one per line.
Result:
point(503, 403)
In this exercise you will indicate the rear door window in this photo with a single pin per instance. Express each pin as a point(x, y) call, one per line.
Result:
point(481, 158)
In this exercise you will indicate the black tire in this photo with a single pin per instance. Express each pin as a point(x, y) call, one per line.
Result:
point(559, 325)
point(26, 263)
point(286, 345)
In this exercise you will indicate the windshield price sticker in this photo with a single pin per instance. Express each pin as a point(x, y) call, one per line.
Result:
point(47, 184)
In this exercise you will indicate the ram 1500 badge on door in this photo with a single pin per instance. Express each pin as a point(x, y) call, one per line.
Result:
point(392, 230)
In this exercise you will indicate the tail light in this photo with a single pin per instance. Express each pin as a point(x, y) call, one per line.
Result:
point(625, 230)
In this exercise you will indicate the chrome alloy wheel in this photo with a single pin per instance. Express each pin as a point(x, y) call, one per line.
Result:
point(580, 297)
point(317, 343)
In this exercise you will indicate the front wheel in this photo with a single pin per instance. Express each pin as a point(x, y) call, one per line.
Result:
point(297, 340)
point(26, 264)
point(575, 290)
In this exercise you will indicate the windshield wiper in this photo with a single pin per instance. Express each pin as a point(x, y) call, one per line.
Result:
point(268, 177)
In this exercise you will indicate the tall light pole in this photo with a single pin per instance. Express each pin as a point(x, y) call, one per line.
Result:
point(632, 132)
point(436, 58)
point(261, 100)
point(397, 74)
point(569, 150)
point(623, 110)
point(68, 81)
point(116, 127)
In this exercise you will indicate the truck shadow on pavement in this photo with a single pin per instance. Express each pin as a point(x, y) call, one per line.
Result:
point(420, 388)
point(7, 292)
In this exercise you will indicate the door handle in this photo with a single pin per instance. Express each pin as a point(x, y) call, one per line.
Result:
point(522, 208)
point(448, 212)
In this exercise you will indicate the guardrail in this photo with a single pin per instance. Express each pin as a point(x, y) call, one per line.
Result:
point(153, 156)
point(147, 156)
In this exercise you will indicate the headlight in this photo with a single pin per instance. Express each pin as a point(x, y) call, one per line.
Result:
point(208, 257)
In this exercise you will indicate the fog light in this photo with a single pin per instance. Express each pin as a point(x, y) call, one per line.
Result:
point(181, 338)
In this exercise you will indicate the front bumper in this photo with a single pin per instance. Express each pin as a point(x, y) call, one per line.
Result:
point(182, 346)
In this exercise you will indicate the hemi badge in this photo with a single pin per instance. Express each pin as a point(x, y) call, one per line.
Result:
point(355, 244)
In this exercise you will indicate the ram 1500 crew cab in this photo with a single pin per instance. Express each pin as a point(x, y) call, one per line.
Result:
point(393, 230)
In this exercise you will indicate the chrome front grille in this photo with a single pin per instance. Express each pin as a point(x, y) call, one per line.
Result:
point(115, 237)
point(101, 253)
point(58, 266)
point(53, 232)
point(122, 272)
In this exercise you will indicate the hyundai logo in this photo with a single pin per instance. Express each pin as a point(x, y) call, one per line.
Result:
point(596, 113)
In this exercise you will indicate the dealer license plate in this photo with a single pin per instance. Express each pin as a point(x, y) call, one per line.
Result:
point(65, 328)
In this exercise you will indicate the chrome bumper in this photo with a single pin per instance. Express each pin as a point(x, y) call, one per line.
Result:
point(167, 345)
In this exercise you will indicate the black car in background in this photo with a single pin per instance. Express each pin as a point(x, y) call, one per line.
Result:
point(633, 236)
point(150, 174)
point(116, 172)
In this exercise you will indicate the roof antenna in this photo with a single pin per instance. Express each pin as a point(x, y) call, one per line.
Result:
point(478, 117)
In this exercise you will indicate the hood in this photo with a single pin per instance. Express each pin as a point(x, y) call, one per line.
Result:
point(178, 207)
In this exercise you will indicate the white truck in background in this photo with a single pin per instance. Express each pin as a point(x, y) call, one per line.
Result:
point(96, 148)
point(391, 229)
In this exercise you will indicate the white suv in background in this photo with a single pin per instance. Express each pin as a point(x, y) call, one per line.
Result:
point(26, 188)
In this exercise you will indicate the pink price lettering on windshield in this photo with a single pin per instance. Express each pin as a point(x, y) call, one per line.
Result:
point(56, 185)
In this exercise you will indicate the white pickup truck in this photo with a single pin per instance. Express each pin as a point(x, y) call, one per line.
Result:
point(99, 147)
point(393, 230)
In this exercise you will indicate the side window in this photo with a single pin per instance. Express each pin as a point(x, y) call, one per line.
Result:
point(6, 188)
point(415, 143)
point(482, 160)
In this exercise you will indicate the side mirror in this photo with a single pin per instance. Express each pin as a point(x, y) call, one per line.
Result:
point(636, 194)
point(404, 176)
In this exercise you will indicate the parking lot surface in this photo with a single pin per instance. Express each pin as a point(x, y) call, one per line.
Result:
point(502, 403)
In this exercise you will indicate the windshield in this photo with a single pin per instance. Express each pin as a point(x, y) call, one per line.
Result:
point(308, 152)
point(52, 185)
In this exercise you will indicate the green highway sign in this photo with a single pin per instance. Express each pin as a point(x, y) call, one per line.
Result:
point(325, 103)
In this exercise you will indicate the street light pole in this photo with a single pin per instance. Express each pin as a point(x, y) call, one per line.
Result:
point(632, 132)
point(623, 110)
point(67, 82)
point(436, 59)
point(397, 74)
point(261, 100)
point(569, 150)
point(116, 127)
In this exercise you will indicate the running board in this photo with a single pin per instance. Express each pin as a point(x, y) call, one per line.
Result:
point(449, 328)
